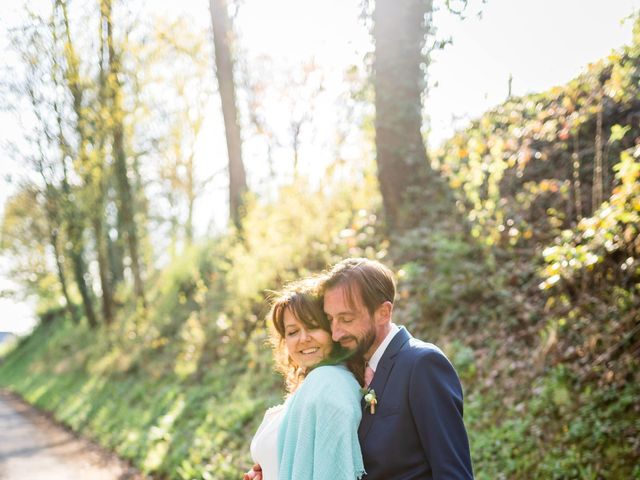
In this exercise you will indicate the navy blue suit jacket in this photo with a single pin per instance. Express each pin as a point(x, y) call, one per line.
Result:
point(417, 430)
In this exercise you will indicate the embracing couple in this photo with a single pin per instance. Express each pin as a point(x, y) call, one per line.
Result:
point(366, 399)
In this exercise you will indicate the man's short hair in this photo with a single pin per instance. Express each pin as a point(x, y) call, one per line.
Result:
point(372, 280)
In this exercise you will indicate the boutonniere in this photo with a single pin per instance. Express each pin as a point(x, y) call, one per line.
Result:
point(369, 395)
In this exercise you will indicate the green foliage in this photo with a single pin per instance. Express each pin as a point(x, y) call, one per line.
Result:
point(446, 283)
point(524, 171)
point(180, 389)
point(591, 430)
point(25, 237)
point(551, 367)
point(611, 234)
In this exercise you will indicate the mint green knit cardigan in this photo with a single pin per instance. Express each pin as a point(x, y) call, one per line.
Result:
point(318, 438)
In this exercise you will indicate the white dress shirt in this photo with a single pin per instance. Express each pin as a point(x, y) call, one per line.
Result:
point(377, 355)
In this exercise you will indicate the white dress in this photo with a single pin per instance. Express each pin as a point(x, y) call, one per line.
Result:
point(264, 445)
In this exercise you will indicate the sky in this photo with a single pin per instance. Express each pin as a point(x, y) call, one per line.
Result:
point(540, 43)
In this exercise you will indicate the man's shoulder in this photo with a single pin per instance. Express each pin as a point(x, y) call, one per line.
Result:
point(416, 346)
point(415, 349)
point(425, 358)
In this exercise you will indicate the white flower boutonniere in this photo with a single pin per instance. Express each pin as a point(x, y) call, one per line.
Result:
point(369, 395)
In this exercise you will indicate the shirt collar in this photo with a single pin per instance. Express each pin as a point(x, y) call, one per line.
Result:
point(377, 355)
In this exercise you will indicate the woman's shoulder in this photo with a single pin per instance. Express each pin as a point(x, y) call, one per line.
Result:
point(330, 373)
point(331, 379)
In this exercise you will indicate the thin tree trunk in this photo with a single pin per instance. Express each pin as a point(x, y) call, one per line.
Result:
point(191, 199)
point(72, 216)
point(93, 183)
point(295, 133)
point(222, 35)
point(76, 252)
point(62, 277)
point(126, 207)
point(115, 246)
point(98, 214)
point(53, 224)
point(575, 165)
point(597, 192)
point(53, 207)
point(103, 267)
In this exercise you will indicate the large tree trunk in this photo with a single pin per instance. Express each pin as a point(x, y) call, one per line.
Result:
point(126, 206)
point(222, 36)
point(399, 33)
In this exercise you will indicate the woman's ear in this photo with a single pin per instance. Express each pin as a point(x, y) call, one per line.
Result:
point(383, 313)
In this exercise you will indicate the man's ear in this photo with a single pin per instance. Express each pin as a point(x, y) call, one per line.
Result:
point(383, 313)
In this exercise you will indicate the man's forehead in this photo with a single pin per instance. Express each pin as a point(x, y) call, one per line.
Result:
point(349, 294)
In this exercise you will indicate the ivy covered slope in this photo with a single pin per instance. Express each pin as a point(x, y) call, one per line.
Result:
point(180, 390)
point(549, 342)
point(531, 288)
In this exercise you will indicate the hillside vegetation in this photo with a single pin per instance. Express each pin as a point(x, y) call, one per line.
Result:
point(534, 296)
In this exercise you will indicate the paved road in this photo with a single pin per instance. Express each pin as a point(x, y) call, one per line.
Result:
point(32, 447)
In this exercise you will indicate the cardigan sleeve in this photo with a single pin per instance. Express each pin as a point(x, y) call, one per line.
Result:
point(318, 438)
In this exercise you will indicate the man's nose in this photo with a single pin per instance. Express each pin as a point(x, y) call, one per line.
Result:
point(336, 333)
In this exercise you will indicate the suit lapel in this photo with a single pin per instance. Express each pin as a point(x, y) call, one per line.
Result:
point(380, 378)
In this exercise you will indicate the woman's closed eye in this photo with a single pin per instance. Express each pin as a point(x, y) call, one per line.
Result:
point(291, 333)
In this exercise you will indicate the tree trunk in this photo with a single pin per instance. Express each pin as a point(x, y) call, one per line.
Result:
point(92, 169)
point(115, 246)
point(103, 267)
point(222, 36)
point(72, 214)
point(53, 222)
point(76, 253)
point(403, 171)
point(126, 207)
point(100, 182)
point(191, 199)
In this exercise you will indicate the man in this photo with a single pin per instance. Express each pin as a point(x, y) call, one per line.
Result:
point(415, 430)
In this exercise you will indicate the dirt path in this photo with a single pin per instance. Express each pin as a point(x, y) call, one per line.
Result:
point(33, 447)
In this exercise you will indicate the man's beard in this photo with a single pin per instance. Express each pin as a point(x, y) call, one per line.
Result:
point(363, 344)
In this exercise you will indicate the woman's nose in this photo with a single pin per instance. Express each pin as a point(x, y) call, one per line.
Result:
point(304, 335)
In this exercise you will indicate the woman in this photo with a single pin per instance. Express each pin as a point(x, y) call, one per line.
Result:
point(313, 435)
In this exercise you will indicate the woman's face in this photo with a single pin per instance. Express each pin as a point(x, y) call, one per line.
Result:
point(306, 346)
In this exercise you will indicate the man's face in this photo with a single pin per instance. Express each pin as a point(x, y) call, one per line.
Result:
point(351, 324)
